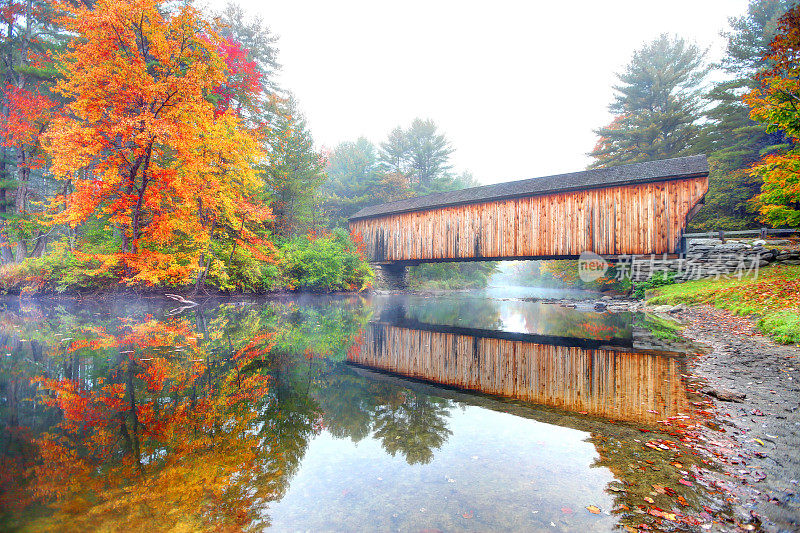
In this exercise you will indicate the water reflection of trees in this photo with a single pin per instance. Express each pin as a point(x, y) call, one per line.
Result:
point(191, 423)
point(478, 312)
point(157, 430)
point(496, 314)
point(412, 424)
point(415, 425)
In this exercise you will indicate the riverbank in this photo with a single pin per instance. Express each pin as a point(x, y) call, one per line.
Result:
point(759, 434)
point(772, 297)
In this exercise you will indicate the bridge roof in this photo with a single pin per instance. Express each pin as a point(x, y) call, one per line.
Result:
point(663, 170)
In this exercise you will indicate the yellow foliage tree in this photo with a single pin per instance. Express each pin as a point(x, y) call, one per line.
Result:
point(145, 145)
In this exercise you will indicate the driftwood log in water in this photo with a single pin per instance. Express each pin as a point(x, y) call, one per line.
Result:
point(186, 304)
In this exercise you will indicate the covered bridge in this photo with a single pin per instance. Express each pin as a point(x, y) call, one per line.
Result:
point(641, 208)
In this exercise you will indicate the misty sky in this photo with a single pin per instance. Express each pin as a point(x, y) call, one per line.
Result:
point(517, 87)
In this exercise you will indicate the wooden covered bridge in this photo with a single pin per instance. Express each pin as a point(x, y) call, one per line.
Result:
point(641, 208)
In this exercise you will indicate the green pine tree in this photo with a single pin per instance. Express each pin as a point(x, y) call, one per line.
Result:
point(354, 175)
point(294, 173)
point(656, 106)
point(429, 154)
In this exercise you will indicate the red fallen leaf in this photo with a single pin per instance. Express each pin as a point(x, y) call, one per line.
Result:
point(566, 510)
point(644, 430)
point(692, 521)
point(684, 482)
point(583, 412)
point(661, 514)
point(468, 514)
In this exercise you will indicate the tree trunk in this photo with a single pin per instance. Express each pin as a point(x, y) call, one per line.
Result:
point(201, 277)
point(22, 251)
point(135, 220)
point(20, 198)
point(5, 242)
point(39, 244)
point(23, 176)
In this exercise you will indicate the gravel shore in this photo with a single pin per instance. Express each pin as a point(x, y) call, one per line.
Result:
point(759, 435)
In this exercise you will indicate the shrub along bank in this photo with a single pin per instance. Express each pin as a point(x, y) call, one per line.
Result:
point(326, 262)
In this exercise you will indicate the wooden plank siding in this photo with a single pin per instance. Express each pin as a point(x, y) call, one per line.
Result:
point(644, 218)
point(637, 387)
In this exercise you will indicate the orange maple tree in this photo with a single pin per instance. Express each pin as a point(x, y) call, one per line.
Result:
point(148, 141)
point(776, 103)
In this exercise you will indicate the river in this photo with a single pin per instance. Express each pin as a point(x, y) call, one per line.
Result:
point(479, 411)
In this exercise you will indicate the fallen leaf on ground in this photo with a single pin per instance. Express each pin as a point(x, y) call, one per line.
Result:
point(662, 514)
point(593, 509)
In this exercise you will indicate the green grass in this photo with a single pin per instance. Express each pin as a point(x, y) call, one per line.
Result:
point(773, 298)
point(783, 326)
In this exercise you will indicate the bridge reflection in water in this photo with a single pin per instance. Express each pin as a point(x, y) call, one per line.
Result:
point(604, 378)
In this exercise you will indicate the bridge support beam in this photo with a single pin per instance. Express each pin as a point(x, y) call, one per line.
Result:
point(390, 276)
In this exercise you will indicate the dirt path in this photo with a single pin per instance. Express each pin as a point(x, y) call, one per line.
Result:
point(759, 436)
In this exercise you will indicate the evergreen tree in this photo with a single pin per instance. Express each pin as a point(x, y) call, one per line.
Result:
point(294, 173)
point(429, 154)
point(409, 163)
point(731, 138)
point(750, 35)
point(295, 170)
point(353, 179)
point(420, 153)
point(394, 155)
point(656, 107)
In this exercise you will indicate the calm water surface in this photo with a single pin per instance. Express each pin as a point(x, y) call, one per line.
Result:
point(477, 412)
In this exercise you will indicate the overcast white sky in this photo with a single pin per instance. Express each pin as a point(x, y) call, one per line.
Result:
point(516, 86)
